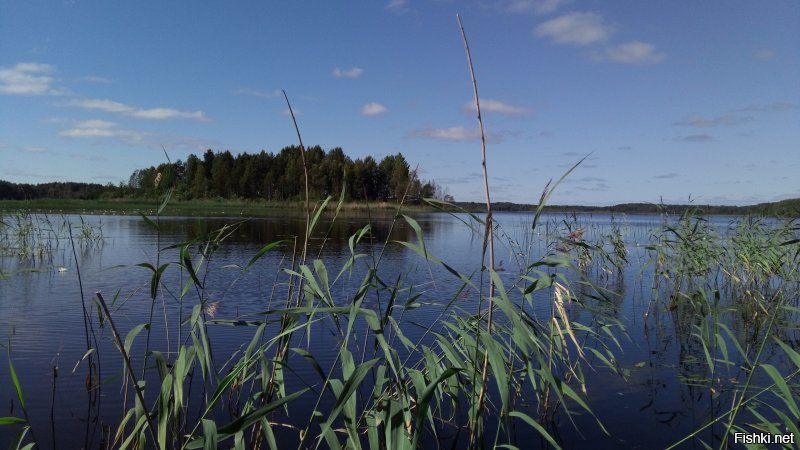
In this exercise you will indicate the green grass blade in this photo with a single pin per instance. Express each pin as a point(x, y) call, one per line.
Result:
point(166, 200)
point(131, 336)
point(348, 390)
point(209, 435)
point(15, 380)
point(536, 426)
point(783, 388)
point(261, 253)
point(12, 421)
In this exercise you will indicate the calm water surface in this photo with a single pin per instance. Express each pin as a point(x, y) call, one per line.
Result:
point(41, 313)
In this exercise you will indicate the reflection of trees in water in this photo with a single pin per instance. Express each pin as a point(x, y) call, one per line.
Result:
point(260, 231)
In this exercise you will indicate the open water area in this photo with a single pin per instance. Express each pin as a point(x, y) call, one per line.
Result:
point(649, 402)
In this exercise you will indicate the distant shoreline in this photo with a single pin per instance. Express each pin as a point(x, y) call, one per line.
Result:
point(244, 208)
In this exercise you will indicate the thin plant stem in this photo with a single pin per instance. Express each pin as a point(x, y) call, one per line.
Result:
point(86, 320)
point(283, 348)
point(305, 176)
point(488, 241)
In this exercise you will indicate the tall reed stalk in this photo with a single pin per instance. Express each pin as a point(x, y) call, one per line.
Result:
point(477, 415)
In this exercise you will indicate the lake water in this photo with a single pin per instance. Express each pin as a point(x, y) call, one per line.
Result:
point(41, 312)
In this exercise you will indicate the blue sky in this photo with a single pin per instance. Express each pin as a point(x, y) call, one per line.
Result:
point(672, 99)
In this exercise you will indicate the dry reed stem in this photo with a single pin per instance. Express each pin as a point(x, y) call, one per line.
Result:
point(488, 238)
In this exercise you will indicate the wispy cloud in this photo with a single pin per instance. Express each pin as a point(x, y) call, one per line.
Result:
point(89, 129)
point(94, 79)
point(28, 79)
point(373, 109)
point(130, 111)
point(666, 176)
point(287, 112)
point(770, 107)
point(496, 106)
point(258, 93)
point(397, 6)
point(575, 29)
point(355, 72)
point(449, 134)
point(697, 138)
point(168, 113)
point(634, 52)
point(457, 134)
point(535, 6)
point(23, 148)
point(764, 53)
point(85, 157)
point(710, 122)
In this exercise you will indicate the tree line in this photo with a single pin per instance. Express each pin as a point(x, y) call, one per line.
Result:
point(265, 175)
point(55, 190)
point(280, 176)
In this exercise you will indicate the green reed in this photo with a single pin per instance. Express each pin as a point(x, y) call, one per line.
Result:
point(35, 238)
point(733, 298)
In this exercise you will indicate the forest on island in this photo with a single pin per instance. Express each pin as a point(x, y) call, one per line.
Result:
point(269, 176)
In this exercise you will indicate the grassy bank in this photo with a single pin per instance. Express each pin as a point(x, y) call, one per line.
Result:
point(204, 208)
point(260, 208)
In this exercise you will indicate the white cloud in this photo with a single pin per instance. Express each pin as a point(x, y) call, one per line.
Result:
point(102, 105)
point(497, 106)
point(27, 79)
point(536, 6)
point(449, 134)
point(634, 52)
point(89, 129)
point(355, 72)
point(95, 128)
point(168, 113)
point(576, 29)
point(127, 110)
point(397, 5)
point(373, 109)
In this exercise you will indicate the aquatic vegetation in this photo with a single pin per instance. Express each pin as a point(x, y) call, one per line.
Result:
point(505, 361)
point(34, 238)
point(733, 294)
